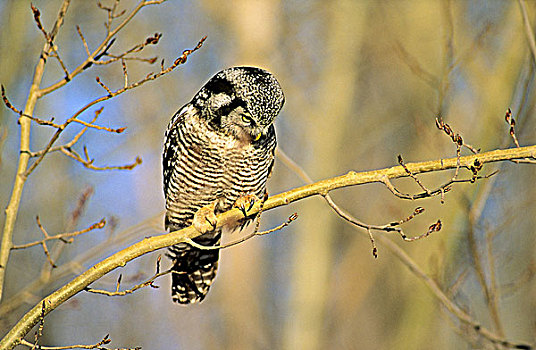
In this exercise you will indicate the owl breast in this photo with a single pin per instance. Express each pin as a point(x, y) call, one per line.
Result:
point(210, 165)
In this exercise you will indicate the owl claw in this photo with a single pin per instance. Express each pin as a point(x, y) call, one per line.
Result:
point(204, 215)
point(212, 223)
point(245, 203)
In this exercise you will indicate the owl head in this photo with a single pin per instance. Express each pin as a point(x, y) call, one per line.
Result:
point(241, 101)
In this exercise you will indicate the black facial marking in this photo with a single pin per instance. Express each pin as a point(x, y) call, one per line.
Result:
point(224, 110)
point(219, 85)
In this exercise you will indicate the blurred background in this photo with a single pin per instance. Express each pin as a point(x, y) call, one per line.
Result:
point(364, 81)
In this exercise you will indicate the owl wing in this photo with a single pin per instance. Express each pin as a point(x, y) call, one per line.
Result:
point(271, 134)
point(171, 146)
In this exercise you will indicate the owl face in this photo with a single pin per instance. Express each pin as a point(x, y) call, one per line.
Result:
point(241, 101)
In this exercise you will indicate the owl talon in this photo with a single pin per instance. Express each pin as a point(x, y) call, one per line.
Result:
point(212, 223)
point(245, 203)
point(204, 215)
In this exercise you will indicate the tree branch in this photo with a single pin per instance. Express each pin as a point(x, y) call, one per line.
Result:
point(26, 116)
point(16, 334)
point(25, 123)
point(101, 49)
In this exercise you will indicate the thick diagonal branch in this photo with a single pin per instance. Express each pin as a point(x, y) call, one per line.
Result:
point(323, 187)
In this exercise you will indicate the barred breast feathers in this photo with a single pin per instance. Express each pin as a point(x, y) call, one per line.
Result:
point(202, 164)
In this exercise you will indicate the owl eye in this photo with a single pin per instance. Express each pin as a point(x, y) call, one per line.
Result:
point(246, 118)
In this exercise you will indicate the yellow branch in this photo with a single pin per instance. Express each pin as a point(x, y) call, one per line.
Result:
point(13, 338)
point(25, 123)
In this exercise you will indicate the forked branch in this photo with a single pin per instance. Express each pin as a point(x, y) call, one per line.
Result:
point(78, 284)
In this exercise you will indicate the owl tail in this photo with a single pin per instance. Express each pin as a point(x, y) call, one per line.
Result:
point(193, 269)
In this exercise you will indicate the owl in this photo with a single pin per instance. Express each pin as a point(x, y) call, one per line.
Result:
point(218, 149)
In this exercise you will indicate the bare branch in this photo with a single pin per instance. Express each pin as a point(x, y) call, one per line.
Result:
point(99, 345)
point(149, 282)
point(37, 18)
point(369, 228)
point(75, 139)
point(322, 188)
point(65, 237)
point(511, 121)
point(125, 73)
point(290, 219)
point(24, 156)
point(401, 162)
point(99, 127)
point(102, 48)
point(441, 190)
point(113, 242)
point(83, 40)
point(88, 162)
point(456, 138)
point(408, 262)
point(104, 86)
point(436, 227)
point(181, 60)
point(7, 103)
point(49, 39)
point(152, 40)
point(62, 126)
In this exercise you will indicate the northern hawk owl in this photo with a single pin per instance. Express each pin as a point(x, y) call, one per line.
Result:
point(218, 148)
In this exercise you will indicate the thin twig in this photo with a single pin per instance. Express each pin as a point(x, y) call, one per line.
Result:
point(512, 122)
point(104, 86)
point(391, 227)
point(111, 11)
point(117, 292)
point(73, 267)
point(74, 140)
point(88, 162)
point(49, 39)
point(98, 127)
point(84, 42)
point(152, 40)
point(51, 123)
point(37, 19)
point(415, 178)
point(125, 73)
point(435, 227)
point(99, 345)
point(245, 238)
point(444, 188)
point(7, 103)
point(65, 237)
point(456, 138)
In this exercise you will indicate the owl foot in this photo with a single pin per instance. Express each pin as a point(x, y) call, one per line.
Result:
point(245, 203)
point(203, 216)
